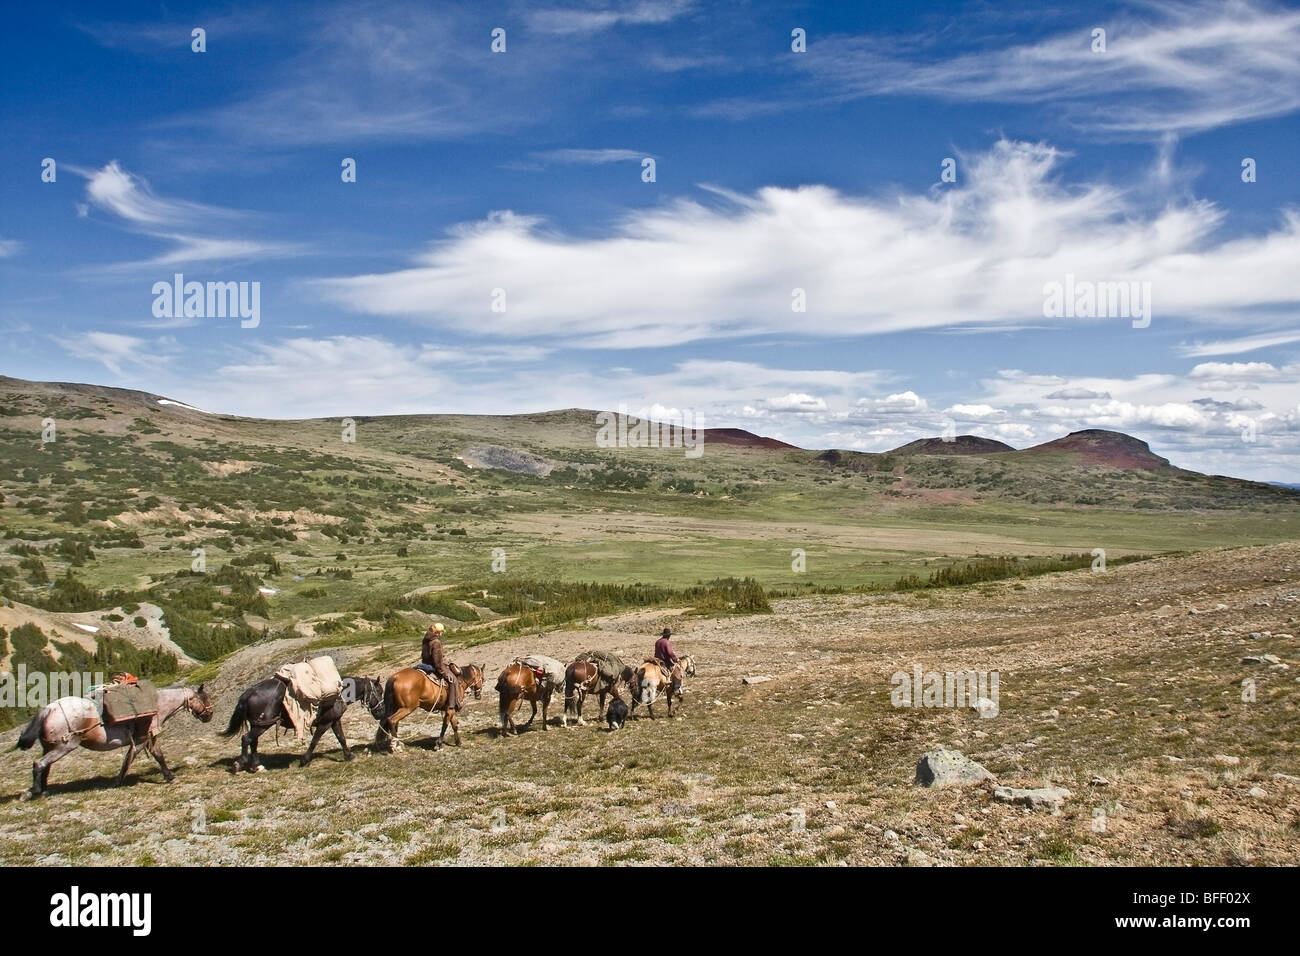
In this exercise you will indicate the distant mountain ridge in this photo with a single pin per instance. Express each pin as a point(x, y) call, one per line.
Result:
point(958, 445)
point(1089, 447)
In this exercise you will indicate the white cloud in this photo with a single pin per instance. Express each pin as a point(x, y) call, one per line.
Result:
point(590, 157)
point(565, 21)
point(1167, 68)
point(135, 206)
point(975, 413)
point(9, 247)
point(796, 402)
point(112, 349)
point(900, 402)
point(1072, 394)
point(1240, 371)
point(1248, 343)
point(978, 254)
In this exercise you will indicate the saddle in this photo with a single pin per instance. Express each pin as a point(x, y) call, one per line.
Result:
point(428, 671)
point(663, 668)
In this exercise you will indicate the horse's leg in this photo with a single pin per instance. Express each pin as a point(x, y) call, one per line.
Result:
point(601, 713)
point(41, 767)
point(388, 729)
point(244, 743)
point(533, 716)
point(315, 739)
point(582, 695)
point(126, 764)
point(155, 749)
point(337, 727)
point(546, 705)
point(254, 764)
point(455, 725)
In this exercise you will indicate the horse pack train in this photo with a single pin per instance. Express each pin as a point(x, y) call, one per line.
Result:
point(313, 696)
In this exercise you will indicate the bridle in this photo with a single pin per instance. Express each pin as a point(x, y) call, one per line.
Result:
point(198, 705)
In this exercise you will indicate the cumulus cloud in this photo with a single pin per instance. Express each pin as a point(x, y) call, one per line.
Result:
point(1238, 371)
point(905, 403)
point(975, 255)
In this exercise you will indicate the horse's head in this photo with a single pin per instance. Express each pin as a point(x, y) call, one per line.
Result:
point(472, 677)
point(628, 675)
point(375, 697)
point(200, 704)
point(688, 665)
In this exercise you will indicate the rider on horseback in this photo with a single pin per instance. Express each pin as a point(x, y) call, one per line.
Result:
point(432, 656)
point(667, 658)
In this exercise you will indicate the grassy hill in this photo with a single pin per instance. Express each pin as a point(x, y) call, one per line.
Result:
point(302, 529)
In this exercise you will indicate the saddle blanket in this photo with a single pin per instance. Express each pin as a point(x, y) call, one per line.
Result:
point(309, 682)
point(428, 671)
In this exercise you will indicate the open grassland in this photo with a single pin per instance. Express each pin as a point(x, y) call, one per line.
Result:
point(1126, 687)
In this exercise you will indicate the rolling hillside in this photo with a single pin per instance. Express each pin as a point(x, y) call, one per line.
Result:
point(236, 529)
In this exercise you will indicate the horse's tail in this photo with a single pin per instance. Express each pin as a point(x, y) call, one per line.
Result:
point(238, 718)
point(32, 732)
point(390, 699)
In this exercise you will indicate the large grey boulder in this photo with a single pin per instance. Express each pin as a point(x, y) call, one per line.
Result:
point(949, 768)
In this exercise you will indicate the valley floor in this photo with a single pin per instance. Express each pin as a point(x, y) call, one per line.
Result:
point(1126, 687)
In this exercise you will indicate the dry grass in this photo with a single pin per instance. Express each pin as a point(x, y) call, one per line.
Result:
point(812, 768)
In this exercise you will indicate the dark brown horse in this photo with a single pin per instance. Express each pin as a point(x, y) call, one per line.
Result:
point(582, 678)
point(410, 690)
point(518, 682)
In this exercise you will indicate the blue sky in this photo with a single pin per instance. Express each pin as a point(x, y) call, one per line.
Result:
point(775, 170)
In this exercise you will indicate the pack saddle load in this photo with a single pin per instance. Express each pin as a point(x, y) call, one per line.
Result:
point(309, 683)
point(120, 703)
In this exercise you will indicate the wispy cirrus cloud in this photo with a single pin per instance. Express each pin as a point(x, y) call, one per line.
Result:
point(597, 17)
point(1169, 68)
point(1236, 346)
point(113, 350)
point(590, 157)
point(132, 205)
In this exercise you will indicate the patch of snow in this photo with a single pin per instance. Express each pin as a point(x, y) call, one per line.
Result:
point(168, 401)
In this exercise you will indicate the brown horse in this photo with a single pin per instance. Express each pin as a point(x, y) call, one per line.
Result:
point(72, 722)
point(517, 682)
point(652, 682)
point(409, 690)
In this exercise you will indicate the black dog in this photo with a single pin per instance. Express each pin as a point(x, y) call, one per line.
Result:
point(616, 713)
